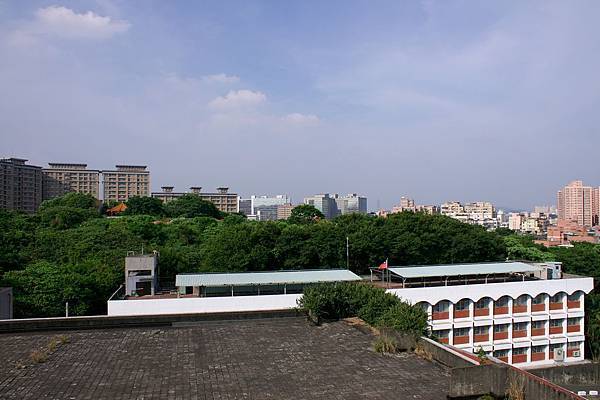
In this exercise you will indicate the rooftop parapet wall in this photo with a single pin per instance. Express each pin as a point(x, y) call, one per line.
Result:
point(494, 290)
point(496, 379)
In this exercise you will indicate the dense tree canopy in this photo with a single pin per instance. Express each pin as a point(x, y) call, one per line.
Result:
point(139, 205)
point(69, 252)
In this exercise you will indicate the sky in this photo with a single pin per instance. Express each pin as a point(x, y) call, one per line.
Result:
point(449, 100)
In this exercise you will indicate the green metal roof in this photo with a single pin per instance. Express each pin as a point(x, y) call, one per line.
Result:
point(266, 278)
point(463, 269)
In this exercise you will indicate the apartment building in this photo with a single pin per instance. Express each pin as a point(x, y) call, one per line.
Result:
point(284, 211)
point(578, 203)
point(126, 181)
point(20, 185)
point(222, 199)
point(525, 314)
point(61, 178)
point(477, 213)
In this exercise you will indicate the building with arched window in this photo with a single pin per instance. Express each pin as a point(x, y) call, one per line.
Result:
point(522, 313)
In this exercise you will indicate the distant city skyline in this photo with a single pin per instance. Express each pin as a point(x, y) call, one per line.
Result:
point(434, 100)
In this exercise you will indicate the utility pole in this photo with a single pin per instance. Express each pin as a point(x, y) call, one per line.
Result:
point(67, 309)
point(347, 252)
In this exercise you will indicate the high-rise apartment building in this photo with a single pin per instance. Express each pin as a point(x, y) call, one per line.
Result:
point(126, 181)
point(222, 199)
point(61, 178)
point(406, 204)
point(284, 211)
point(578, 203)
point(20, 185)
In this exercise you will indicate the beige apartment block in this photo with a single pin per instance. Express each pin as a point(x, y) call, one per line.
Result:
point(222, 199)
point(61, 178)
point(20, 185)
point(578, 203)
point(284, 211)
point(126, 181)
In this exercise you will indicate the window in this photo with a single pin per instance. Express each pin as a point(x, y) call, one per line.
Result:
point(573, 321)
point(500, 328)
point(539, 299)
point(521, 300)
point(555, 346)
point(442, 306)
point(537, 325)
point(538, 349)
point(557, 298)
point(519, 351)
point(461, 332)
point(502, 302)
point(520, 326)
point(482, 303)
point(462, 305)
point(442, 334)
point(501, 353)
point(574, 297)
point(423, 306)
point(556, 322)
point(480, 330)
point(573, 345)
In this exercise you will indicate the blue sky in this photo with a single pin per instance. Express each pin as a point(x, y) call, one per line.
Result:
point(450, 100)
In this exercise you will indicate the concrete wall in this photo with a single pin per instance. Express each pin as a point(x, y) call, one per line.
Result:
point(103, 321)
point(579, 374)
point(193, 305)
point(6, 303)
point(496, 379)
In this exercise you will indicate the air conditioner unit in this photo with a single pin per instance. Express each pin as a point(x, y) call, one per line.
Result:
point(576, 353)
point(559, 355)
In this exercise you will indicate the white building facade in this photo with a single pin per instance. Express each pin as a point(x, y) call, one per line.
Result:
point(526, 323)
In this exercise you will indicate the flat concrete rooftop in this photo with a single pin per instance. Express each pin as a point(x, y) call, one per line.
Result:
point(253, 359)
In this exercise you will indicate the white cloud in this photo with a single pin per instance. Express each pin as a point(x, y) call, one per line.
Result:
point(221, 78)
point(238, 99)
point(301, 119)
point(59, 21)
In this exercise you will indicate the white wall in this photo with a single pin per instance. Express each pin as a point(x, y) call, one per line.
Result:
point(433, 295)
point(191, 305)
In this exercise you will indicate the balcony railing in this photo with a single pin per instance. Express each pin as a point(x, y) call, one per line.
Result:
point(538, 332)
point(519, 334)
point(570, 352)
point(461, 313)
point(538, 307)
point(519, 309)
point(500, 310)
point(573, 304)
point(556, 330)
point(556, 306)
point(573, 328)
point(481, 312)
point(519, 358)
point(500, 335)
point(481, 338)
point(538, 356)
point(439, 315)
point(461, 339)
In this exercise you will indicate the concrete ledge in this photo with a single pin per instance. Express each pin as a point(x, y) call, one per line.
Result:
point(104, 321)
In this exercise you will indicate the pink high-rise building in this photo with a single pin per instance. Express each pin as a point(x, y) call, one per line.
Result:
point(578, 203)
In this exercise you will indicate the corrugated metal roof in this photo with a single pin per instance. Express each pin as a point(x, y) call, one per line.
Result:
point(266, 278)
point(464, 269)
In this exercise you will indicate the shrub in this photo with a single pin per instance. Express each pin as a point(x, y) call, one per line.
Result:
point(39, 356)
point(385, 344)
point(333, 301)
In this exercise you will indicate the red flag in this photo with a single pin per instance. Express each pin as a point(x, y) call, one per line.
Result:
point(383, 265)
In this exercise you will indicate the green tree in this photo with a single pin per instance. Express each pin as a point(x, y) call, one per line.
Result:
point(72, 200)
point(190, 205)
point(304, 214)
point(144, 205)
